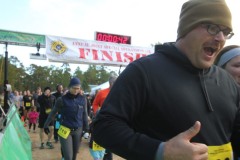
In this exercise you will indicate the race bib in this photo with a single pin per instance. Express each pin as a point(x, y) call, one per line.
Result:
point(28, 104)
point(96, 147)
point(223, 152)
point(63, 132)
point(48, 110)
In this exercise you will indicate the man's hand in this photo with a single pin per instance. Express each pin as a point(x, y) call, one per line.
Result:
point(46, 130)
point(180, 147)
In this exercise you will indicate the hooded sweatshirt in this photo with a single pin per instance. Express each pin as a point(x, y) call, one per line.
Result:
point(161, 95)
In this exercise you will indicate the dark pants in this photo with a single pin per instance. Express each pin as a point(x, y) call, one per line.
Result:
point(30, 126)
point(108, 155)
point(55, 134)
point(71, 145)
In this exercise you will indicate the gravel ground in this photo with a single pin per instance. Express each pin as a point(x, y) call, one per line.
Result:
point(55, 154)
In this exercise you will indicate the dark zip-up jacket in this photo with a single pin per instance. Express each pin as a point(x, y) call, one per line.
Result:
point(45, 102)
point(161, 95)
point(73, 110)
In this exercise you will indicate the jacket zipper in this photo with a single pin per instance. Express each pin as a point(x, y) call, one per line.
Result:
point(204, 87)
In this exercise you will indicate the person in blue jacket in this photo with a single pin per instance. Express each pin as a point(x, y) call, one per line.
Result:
point(73, 109)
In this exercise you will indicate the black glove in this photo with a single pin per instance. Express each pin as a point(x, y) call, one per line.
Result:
point(46, 130)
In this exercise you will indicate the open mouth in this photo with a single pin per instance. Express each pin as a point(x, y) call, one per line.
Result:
point(209, 51)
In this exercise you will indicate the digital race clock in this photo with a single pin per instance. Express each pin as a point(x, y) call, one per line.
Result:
point(115, 38)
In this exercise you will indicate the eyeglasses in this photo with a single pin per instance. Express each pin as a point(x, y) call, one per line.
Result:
point(214, 29)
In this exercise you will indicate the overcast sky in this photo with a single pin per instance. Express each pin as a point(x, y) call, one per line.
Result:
point(147, 22)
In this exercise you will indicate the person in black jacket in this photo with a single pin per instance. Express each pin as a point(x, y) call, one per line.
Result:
point(175, 104)
point(57, 94)
point(46, 102)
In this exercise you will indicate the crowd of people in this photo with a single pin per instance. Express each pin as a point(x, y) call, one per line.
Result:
point(55, 111)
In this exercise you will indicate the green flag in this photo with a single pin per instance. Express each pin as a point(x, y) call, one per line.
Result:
point(16, 143)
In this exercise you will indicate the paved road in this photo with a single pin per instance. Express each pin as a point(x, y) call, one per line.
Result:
point(55, 154)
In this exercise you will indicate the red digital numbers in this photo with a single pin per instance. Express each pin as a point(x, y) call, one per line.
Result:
point(107, 37)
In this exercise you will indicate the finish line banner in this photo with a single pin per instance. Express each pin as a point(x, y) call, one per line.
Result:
point(70, 50)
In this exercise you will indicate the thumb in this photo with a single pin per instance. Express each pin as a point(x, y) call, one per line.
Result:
point(193, 131)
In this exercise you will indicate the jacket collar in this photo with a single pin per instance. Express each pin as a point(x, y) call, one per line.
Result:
point(171, 51)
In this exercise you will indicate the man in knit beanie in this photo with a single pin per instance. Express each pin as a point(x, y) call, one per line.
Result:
point(175, 104)
point(195, 12)
point(204, 26)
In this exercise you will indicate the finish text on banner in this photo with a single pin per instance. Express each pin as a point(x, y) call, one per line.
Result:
point(71, 50)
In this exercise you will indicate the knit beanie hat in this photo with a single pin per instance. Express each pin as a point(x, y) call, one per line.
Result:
point(195, 12)
point(74, 82)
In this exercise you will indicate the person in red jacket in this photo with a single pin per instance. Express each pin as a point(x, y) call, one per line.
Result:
point(102, 94)
point(97, 104)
